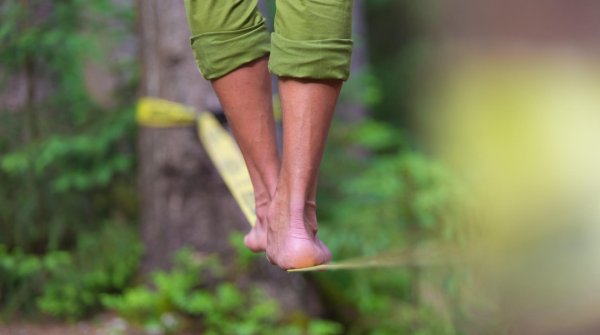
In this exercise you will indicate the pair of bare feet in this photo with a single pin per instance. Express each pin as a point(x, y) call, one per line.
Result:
point(285, 188)
point(289, 237)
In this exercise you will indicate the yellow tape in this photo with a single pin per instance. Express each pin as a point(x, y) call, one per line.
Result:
point(226, 156)
point(424, 255)
point(220, 146)
point(162, 113)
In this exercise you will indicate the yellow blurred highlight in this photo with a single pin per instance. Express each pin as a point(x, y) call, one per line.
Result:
point(524, 134)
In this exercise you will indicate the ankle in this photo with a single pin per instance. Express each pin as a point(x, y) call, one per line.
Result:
point(261, 201)
point(261, 213)
point(310, 208)
point(296, 215)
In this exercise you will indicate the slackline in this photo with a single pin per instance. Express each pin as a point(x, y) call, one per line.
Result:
point(228, 160)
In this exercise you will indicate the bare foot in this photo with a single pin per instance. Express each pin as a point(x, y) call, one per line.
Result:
point(292, 236)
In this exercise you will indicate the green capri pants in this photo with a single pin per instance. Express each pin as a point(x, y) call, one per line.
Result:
point(312, 38)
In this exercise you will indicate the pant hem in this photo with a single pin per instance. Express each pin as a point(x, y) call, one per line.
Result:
point(218, 53)
point(313, 59)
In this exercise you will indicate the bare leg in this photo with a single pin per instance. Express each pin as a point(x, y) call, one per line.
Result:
point(308, 107)
point(246, 98)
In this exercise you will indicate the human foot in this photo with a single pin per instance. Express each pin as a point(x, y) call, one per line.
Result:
point(292, 236)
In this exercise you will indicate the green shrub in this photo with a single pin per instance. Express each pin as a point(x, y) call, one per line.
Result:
point(379, 195)
point(69, 284)
point(181, 300)
point(22, 277)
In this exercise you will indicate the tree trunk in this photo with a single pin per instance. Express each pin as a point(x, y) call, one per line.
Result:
point(183, 199)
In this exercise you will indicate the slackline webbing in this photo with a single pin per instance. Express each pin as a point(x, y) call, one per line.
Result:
point(228, 160)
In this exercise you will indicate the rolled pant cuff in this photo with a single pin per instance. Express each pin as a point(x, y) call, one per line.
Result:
point(218, 53)
point(316, 59)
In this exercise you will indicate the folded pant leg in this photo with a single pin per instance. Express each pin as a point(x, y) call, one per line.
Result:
point(312, 39)
point(226, 34)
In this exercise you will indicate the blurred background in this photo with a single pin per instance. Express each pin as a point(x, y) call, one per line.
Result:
point(465, 147)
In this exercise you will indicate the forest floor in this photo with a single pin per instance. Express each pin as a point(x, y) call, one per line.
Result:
point(100, 325)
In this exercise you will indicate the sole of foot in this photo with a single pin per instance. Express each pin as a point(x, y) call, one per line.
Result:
point(298, 253)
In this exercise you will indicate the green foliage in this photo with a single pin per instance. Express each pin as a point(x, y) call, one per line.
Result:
point(51, 40)
point(380, 195)
point(69, 284)
point(66, 165)
point(62, 157)
point(363, 88)
point(52, 184)
point(75, 163)
point(181, 299)
point(391, 186)
point(103, 262)
point(22, 276)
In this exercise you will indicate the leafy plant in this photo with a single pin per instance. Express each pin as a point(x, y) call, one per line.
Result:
point(181, 300)
point(22, 276)
point(69, 284)
point(381, 195)
point(103, 262)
